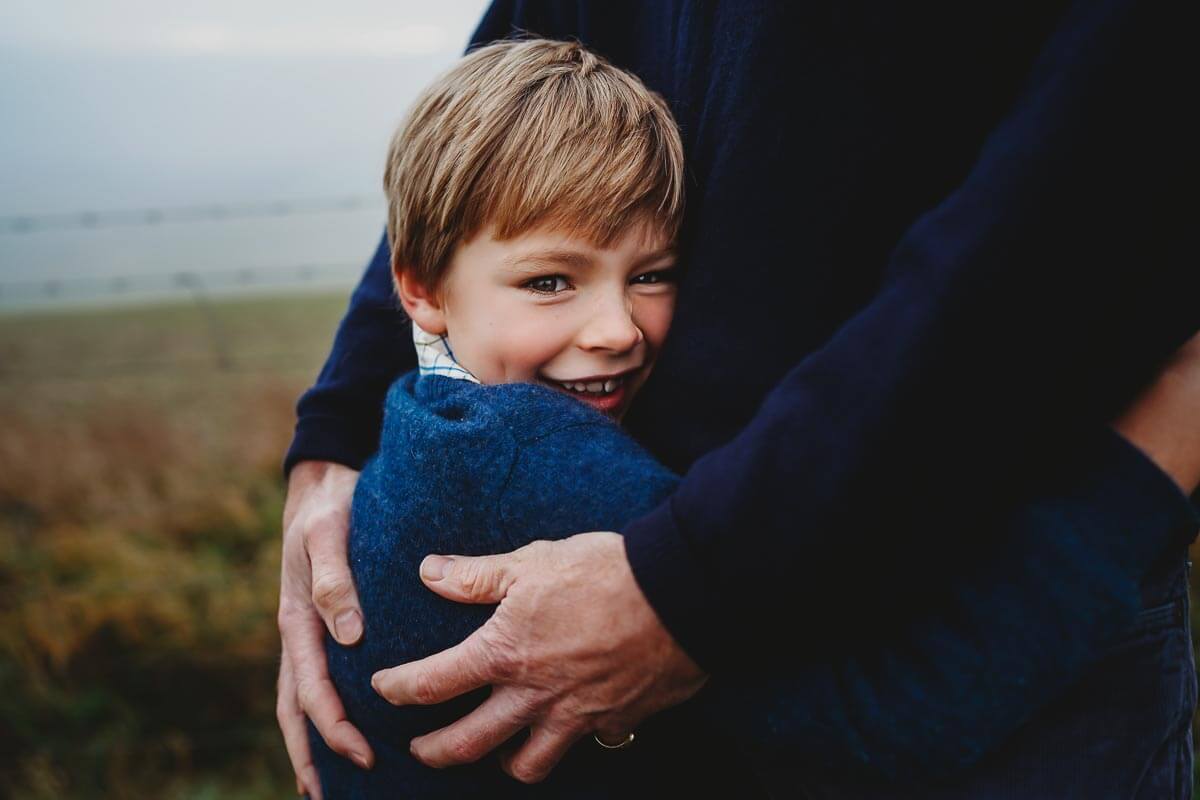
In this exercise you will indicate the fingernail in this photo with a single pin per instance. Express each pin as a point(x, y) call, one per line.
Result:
point(361, 760)
point(434, 568)
point(347, 627)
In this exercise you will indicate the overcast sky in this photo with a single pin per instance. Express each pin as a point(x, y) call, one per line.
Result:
point(140, 102)
point(135, 104)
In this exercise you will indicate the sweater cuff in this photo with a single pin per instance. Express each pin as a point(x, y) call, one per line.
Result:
point(675, 584)
point(322, 437)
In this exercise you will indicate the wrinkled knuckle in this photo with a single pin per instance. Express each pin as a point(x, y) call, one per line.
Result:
point(331, 591)
point(530, 706)
point(304, 693)
point(473, 581)
point(424, 690)
point(498, 654)
point(462, 750)
point(578, 724)
point(527, 772)
point(502, 669)
point(570, 709)
point(467, 577)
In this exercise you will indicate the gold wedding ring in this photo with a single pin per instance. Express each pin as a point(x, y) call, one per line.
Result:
point(621, 745)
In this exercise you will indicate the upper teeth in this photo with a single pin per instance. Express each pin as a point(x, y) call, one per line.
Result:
point(594, 387)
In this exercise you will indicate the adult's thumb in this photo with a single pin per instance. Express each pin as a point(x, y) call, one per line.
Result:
point(469, 579)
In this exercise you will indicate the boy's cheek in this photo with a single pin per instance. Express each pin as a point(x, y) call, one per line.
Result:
point(529, 352)
point(654, 318)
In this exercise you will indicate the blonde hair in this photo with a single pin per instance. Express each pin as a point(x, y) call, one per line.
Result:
point(525, 133)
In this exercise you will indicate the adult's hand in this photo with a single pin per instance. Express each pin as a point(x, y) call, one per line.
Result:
point(573, 648)
point(316, 591)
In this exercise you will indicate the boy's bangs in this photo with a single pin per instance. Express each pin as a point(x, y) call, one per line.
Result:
point(529, 134)
point(594, 183)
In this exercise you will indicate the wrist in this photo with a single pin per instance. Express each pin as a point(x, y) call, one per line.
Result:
point(1163, 425)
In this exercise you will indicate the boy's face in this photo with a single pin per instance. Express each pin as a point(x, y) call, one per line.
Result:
point(547, 307)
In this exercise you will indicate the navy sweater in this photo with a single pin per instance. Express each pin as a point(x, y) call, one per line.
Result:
point(930, 251)
point(471, 469)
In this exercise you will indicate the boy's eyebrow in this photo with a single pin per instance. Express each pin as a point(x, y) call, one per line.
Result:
point(572, 258)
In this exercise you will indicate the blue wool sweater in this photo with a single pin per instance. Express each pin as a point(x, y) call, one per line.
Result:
point(471, 469)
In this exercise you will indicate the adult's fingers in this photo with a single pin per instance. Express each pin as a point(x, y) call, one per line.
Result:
point(295, 735)
point(534, 760)
point(303, 644)
point(333, 591)
point(475, 735)
point(472, 579)
point(441, 676)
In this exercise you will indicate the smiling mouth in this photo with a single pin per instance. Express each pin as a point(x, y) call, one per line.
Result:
point(594, 387)
point(597, 388)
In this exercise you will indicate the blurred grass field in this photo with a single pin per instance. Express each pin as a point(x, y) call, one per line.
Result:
point(140, 499)
point(140, 503)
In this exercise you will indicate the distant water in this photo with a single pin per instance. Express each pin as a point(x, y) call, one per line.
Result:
point(107, 130)
point(138, 263)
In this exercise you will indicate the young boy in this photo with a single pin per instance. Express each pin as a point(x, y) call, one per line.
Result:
point(535, 192)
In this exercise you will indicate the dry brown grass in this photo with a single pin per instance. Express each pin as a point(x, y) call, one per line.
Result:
point(139, 508)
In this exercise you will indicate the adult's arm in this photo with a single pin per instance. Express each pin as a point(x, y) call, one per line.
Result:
point(1023, 310)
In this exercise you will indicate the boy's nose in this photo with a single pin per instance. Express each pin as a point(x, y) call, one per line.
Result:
point(611, 327)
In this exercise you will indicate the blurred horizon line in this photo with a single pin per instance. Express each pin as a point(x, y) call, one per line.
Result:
point(26, 223)
point(64, 293)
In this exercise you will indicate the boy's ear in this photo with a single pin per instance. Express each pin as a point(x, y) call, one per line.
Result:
point(423, 305)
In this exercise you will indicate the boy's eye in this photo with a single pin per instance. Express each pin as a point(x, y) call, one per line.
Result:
point(547, 284)
point(657, 276)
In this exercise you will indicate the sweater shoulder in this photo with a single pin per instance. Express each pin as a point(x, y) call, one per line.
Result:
point(575, 470)
point(532, 412)
point(441, 427)
point(540, 463)
point(442, 439)
point(457, 411)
